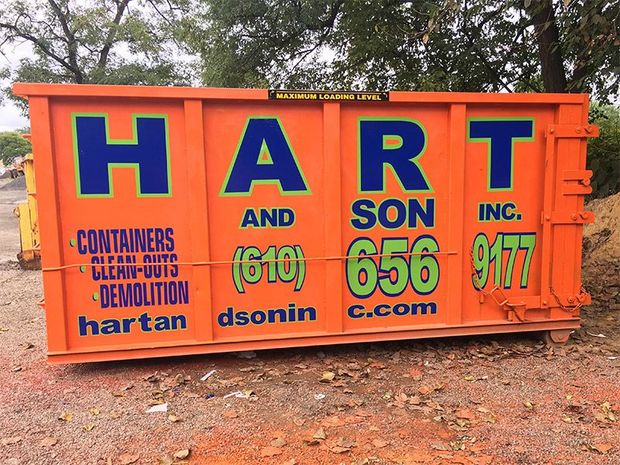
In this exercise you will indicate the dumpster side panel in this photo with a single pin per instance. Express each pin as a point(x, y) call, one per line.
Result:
point(503, 225)
point(116, 296)
point(266, 219)
point(183, 221)
point(380, 219)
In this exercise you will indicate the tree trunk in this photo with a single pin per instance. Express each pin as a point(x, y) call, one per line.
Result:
point(548, 41)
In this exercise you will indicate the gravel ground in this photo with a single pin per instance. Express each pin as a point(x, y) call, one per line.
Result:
point(491, 400)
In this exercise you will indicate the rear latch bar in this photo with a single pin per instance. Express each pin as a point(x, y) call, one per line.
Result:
point(572, 130)
point(578, 217)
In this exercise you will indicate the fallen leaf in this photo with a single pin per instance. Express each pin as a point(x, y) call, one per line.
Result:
point(379, 443)
point(528, 404)
point(128, 459)
point(328, 377)
point(425, 390)
point(401, 397)
point(440, 446)
point(173, 418)
point(601, 448)
point(347, 443)
point(182, 454)
point(333, 421)
point(166, 460)
point(66, 416)
point(89, 426)
point(10, 441)
point(278, 442)
point(94, 411)
point(270, 451)
point(457, 445)
point(469, 378)
point(414, 400)
point(465, 414)
point(319, 434)
point(49, 442)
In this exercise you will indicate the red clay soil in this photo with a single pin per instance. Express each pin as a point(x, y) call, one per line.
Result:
point(484, 400)
point(491, 400)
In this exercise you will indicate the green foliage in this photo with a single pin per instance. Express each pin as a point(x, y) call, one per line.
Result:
point(251, 44)
point(13, 145)
point(604, 151)
point(445, 45)
point(97, 42)
point(424, 45)
point(432, 45)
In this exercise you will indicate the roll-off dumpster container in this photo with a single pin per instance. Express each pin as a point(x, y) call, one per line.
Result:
point(184, 220)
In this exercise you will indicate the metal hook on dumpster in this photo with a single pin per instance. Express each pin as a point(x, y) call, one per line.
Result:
point(580, 299)
point(516, 310)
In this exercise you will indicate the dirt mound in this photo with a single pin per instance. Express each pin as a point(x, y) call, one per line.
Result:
point(601, 253)
point(17, 184)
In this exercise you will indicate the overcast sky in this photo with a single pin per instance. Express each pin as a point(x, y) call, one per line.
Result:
point(10, 116)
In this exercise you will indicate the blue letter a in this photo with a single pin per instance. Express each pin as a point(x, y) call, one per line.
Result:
point(264, 156)
point(96, 154)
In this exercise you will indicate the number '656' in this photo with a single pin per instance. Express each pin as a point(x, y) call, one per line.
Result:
point(394, 272)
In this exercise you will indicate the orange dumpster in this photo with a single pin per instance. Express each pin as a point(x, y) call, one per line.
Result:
point(197, 220)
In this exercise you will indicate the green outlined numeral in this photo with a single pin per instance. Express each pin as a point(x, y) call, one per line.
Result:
point(392, 270)
point(282, 264)
point(501, 255)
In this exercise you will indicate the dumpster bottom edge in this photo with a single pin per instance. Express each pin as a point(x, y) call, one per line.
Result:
point(328, 339)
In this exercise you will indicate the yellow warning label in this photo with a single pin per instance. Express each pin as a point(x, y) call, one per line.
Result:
point(324, 95)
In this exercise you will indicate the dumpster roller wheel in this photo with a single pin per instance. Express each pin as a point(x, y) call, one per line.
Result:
point(556, 337)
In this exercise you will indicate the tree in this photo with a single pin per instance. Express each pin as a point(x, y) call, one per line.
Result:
point(577, 44)
point(467, 45)
point(604, 151)
point(12, 145)
point(96, 41)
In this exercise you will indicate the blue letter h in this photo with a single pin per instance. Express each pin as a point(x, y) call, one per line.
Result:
point(147, 153)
